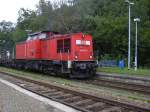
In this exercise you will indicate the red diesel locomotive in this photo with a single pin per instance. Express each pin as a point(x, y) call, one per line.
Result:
point(69, 54)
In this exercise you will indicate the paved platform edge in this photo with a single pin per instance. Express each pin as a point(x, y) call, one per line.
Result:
point(40, 98)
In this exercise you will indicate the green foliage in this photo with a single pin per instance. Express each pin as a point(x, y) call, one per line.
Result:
point(6, 41)
point(19, 35)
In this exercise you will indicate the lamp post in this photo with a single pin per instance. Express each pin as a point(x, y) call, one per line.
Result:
point(129, 33)
point(136, 20)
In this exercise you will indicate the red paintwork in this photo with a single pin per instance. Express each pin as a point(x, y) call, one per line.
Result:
point(33, 49)
point(83, 51)
point(46, 49)
point(21, 47)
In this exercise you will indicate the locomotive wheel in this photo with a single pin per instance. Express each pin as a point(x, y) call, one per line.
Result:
point(57, 70)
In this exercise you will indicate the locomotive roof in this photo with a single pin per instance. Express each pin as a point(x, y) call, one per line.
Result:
point(45, 31)
point(61, 36)
point(52, 34)
point(58, 35)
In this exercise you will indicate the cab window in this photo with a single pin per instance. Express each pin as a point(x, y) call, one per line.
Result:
point(59, 46)
point(64, 46)
point(67, 46)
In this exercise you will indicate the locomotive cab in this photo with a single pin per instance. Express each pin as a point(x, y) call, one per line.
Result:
point(83, 63)
point(83, 48)
point(75, 52)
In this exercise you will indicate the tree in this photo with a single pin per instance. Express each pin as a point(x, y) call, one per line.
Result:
point(106, 20)
point(6, 41)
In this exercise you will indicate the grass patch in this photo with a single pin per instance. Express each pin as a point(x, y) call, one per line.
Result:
point(34, 75)
point(142, 72)
point(134, 98)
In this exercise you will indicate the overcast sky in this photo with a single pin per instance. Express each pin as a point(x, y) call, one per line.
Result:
point(9, 8)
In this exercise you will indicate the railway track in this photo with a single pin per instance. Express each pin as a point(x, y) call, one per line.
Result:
point(78, 100)
point(132, 78)
point(119, 84)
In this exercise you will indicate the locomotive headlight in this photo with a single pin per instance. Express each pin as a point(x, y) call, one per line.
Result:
point(76, 57)
point(91, 57)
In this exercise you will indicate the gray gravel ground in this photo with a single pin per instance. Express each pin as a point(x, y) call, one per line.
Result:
point(14, 101)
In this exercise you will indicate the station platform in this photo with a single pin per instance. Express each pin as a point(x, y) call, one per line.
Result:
point(15, 99)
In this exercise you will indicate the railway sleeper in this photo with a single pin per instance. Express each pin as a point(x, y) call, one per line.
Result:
point(100, 108)
point(55, 94)
point(38, 89)
point(95, 105)
point(82, 102)
point(64, 96)
point(85, 104)
point(112, 109)
point(33, 88)
point(48, 91)
point(72, 99)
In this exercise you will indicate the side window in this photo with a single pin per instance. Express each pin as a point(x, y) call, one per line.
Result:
point(64, 46)
point(59, 46)
point(67, 46)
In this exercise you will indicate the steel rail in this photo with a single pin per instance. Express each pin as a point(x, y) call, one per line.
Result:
point(134, 87)
point(124, 77)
